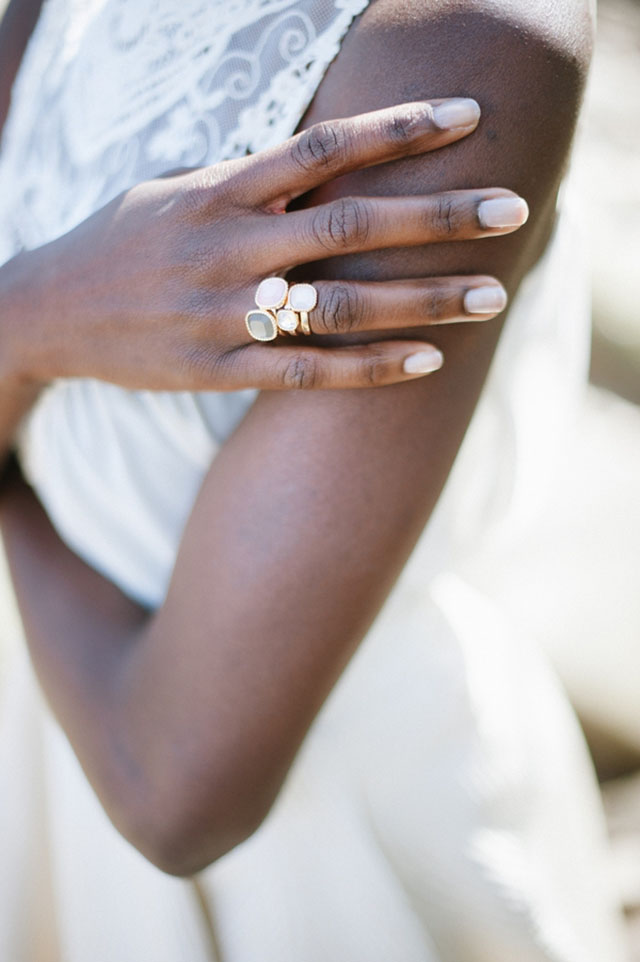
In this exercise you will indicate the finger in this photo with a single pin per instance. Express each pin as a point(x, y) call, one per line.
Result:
point(347, 306)
point(328, 150)
point(270, 367)
point(352, 224)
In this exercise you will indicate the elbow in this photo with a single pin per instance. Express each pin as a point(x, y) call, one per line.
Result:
point(184, 839)
point(182, 810)
point(183, 849)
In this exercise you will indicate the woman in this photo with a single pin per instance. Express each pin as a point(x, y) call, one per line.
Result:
point(192, 618)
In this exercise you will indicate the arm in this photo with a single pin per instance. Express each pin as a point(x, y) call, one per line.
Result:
point(186, 722)
point(16, 26)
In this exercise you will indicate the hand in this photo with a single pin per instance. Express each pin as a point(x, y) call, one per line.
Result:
point(152, 290)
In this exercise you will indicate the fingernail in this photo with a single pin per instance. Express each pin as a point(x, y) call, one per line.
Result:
point(485, 300)
point(503, 212)
point(423, 362)
point(459, 112)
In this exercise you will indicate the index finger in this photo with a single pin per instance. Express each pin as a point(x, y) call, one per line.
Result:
point(274, 177)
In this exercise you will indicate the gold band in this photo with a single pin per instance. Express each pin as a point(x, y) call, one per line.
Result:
point(304, 322)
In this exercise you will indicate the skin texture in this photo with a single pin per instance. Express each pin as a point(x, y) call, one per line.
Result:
point(268, 602)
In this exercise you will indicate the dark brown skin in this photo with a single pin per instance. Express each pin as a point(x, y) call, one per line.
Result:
point(187, 720)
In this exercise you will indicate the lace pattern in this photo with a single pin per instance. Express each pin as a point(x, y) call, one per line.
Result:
point(112, 92)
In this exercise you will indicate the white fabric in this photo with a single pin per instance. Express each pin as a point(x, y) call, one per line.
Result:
point(442, 808)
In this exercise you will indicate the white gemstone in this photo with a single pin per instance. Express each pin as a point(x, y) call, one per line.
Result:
point(261, 326)
point(302, 297)
point(272, 292)
point(287, 320)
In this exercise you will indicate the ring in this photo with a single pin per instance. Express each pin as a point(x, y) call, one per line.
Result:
point(280, 309)
point(302, 299)
point(270, 297)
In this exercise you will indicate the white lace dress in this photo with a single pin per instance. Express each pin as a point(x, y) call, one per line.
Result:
point(442, 808)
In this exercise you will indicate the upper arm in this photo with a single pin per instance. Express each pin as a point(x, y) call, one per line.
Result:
point(312, 507)
point(525, 62)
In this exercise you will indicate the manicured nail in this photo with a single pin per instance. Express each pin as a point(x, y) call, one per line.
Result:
point(485, 300)
point(424, 362)
point(459, 112)
point(503, 212)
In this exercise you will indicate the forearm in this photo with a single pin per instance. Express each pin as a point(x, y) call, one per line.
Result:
point(18, 391)
point(77, 625)
point(17, 395)
point(254, 632)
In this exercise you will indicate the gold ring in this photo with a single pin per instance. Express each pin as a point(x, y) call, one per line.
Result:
point(280, 309)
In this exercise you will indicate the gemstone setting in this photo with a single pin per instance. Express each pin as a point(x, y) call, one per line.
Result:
point(302, 297)
point(261, 325)
point(272, 293)
point(287, 321)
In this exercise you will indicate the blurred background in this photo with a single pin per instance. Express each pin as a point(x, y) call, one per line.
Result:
point(581, 595)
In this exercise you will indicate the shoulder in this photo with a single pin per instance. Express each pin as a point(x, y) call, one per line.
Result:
point(524, 61)
point(566, 26)
point(403, 45)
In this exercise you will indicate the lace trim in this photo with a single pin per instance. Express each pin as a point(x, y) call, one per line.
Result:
point(112, 92)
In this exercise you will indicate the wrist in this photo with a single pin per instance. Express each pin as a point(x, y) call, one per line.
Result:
point(22, 311)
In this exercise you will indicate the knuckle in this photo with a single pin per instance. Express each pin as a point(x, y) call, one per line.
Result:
point(339, 309)
point(399, 131)
point(403, 126)
point(447, 216)
point(374, 369)
point(319, 147)
point(205, 190)
point(193, 200)
point(435, 302)
point(223, 185)
point(343, 224)
point(300, 373)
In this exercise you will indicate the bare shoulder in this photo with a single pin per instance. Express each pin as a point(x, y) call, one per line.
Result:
point(563, 26)
point(407, 49)
point(524, 61)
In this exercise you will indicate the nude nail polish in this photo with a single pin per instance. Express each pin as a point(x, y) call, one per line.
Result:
point(503, 212)
point(459, 112)
point(423, 362)
point(485, 300)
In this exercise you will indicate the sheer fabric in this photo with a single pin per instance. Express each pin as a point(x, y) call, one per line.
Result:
point(124, 91)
